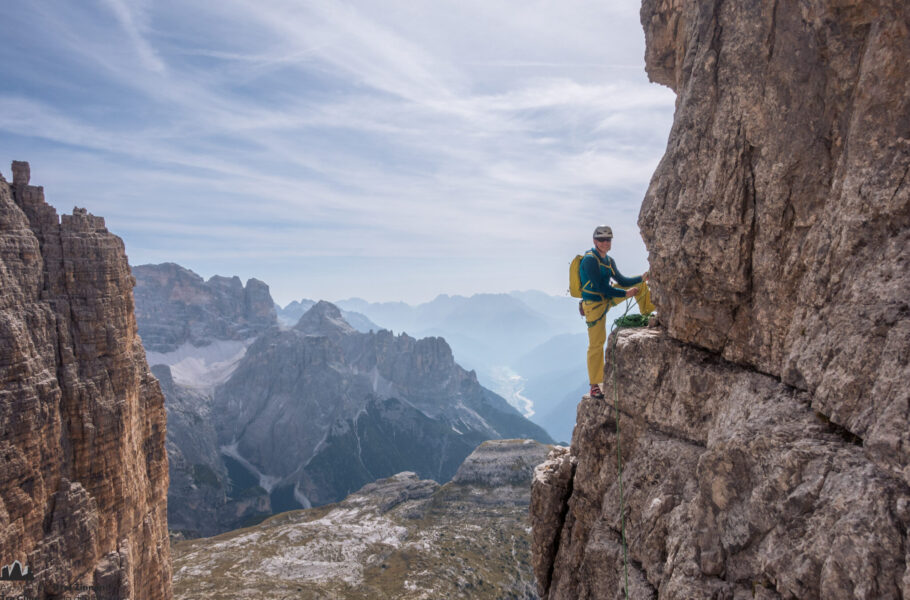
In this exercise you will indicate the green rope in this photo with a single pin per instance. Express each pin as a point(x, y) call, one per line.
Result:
point(634, 320)
point(626, 320)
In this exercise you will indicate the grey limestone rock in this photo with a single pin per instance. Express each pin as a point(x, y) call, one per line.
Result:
point(22, 172)
point(392, 491)
point(174, 306)
point(326, 408)
point(778, 221)
point(312, 413)
point(764, 426)
point(502, 462)
point(323, 319)
point(731, 480)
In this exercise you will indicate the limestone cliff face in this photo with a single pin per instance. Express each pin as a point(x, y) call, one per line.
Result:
point(778, 222)
point(83, 475)
point(175, 306)
point(765, 427)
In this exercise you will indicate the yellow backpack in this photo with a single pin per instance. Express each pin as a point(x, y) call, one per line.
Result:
point(575, 277)
point(575, 273)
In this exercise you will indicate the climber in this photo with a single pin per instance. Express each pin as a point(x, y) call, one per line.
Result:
point(598, 296)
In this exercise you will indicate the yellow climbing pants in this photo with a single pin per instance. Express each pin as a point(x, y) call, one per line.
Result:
point(595, 319)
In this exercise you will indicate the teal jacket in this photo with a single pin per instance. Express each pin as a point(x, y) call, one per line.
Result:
point(595, 275)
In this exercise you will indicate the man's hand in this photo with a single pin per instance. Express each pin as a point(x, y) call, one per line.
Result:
point(646, 276)
point(632, 292)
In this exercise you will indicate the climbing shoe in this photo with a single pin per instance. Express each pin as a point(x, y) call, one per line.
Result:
point(596, 392)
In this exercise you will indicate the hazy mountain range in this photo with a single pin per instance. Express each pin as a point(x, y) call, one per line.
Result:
point(264, 418)
point(527, 346)
point(290, 314)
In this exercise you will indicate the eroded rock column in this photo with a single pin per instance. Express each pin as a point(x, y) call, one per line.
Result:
point(83, 476)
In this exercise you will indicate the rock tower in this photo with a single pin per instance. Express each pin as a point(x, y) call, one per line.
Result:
point(83, 468)
point(765, 426)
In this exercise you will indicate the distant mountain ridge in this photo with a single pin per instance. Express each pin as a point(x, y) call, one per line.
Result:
point(264, 418)
point(290, 314)
point(175, 306)
point(304, 398)
point(529, 317)
point(527, 346)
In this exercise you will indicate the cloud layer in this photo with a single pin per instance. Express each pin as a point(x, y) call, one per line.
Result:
point(390, 150)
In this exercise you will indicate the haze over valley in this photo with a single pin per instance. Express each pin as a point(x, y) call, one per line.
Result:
point(266, 417)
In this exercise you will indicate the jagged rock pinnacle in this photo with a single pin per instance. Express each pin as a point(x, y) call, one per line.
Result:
point(82, 500)
point(323, 318)
point(21, 172)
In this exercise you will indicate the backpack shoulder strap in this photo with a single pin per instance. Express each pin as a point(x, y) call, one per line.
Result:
point(600, 262)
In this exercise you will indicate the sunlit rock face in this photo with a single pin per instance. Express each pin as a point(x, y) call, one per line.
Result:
point(777, 221)
point(83, 473)
point(764, 427)
point(730, 482)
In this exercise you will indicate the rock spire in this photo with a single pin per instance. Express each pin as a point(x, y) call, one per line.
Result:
point(83, 474)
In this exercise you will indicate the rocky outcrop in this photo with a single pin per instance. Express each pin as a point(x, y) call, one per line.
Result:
point(397, 538)
point(764, 431)
point(82, 421)
point(732, 484)
point(552, 487)
point(500, 462)
point(175, 306)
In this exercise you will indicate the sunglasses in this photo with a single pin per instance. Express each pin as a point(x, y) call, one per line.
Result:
point(609, 239)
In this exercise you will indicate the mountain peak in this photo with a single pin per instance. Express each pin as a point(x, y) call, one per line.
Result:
point(324, 318)
point(175, 306)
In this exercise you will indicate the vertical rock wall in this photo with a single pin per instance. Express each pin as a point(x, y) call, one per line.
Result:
point(765, 428)
point(175, 306)
point(778, 222)
point(83, 474)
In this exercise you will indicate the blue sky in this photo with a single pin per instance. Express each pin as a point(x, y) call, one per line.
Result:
point(391, 150)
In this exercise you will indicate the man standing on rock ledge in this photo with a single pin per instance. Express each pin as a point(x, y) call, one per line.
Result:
point(598, 296)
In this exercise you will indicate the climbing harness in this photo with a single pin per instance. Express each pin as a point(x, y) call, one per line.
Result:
point(626, 320)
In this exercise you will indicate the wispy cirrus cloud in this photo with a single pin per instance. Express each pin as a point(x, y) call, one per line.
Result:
point(240, 131)
point(131, 18)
